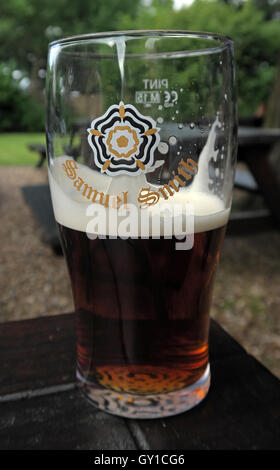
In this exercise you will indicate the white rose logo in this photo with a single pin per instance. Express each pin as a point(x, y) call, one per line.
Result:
point(123, 141)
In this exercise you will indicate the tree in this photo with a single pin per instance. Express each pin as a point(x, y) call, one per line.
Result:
point(27, 26)
point(18, 110)
point(256, 39)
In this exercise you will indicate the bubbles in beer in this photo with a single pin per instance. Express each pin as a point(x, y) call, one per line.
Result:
point(163, 148)
point(201, 128)
point(173, 140)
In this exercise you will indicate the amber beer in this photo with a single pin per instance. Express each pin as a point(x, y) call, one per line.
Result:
point(142, 309)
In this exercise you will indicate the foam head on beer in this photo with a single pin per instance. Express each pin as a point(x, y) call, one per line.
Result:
point(90, 201)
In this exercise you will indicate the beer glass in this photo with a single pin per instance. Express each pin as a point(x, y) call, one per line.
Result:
point(141, 141)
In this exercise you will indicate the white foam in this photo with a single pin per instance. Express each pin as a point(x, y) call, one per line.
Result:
point(71, 207)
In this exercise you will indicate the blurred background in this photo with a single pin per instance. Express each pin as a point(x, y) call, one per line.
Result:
point(34, 281)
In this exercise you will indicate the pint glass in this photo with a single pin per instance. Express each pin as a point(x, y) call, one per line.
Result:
point(141, 140)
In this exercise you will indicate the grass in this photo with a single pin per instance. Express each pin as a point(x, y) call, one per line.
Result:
point(14, 149)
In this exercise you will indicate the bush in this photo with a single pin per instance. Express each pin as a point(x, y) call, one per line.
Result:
point(19, 112)
point(256, 39)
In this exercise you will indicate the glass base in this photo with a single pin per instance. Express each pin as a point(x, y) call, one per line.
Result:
point(149, 406)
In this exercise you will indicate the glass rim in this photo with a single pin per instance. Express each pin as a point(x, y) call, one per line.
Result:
point(225, 41)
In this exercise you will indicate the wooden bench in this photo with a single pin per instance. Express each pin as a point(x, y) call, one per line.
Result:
point(38, 198)
point(41, 150)
point(254, 149)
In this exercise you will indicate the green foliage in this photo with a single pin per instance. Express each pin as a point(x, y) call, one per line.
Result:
point(256, 39)
point(18, 110)
point(27, 26)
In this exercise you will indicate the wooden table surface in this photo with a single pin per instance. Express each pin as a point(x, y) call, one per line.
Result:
point(42, 408)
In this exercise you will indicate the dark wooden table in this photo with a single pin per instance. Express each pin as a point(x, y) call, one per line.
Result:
point(42, 408)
